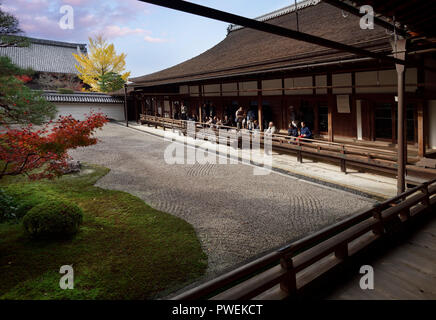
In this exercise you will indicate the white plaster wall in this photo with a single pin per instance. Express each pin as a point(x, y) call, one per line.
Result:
point(272, 84)
point(342, 79)
point(183, 89)
point(321, 81)
point(78, 111)
point(385, 77)
point(231, 89)
point(211, 90)
point(249, 85)
point(298, 82)
point(194, 91)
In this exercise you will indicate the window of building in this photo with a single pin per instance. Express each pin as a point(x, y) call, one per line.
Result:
point(383, 121)
point(323, 117)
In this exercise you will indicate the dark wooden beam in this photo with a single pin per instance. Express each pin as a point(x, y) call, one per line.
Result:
point(207, 12)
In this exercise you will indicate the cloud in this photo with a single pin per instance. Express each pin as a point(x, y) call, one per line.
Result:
point(154, 40)
point(114, 31)
point(112, 18)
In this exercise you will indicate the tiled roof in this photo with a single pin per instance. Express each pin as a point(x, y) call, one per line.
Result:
point(278, 13)
point(45, 55)
point(81, 97)
point(246, 51)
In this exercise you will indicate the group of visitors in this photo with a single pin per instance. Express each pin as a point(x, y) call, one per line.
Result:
point(246, 120)
point(242, 120)
point(301, 131)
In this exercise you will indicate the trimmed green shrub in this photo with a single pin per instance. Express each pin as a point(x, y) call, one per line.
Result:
point(53, 218)
point(27, 196)
point(8, 207)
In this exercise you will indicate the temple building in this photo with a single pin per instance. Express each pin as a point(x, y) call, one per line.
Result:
point(341, 96)
point(54, 72)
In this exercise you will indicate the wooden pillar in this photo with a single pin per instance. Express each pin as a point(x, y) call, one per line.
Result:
point(143, 102)
point(259, 104)
point(171, 109)
point(331, 107)
point(400, 53)
point(421, 130)
point(316, 108)
point(135, 101)
point(126, 115)
point(201, 101)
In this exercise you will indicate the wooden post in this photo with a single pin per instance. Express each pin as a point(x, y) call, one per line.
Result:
point(126, 115)
point(343, 162)
point(136, 110)
point(299, 154)
point(400, 53)
point(201, 101)
point(378, 228)
point(143, 102)
point(259, 104)
point(289, 283)
point(421, 130)
point(171, 109)
point(341, 252)
point(331, 107)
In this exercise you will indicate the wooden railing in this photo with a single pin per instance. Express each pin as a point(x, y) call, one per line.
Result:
point(285, 272)
point(344, 154)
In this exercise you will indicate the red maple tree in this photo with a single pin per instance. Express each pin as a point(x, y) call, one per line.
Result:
point(23, 150)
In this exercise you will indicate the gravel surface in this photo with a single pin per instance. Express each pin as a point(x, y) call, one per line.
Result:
point(236, 214)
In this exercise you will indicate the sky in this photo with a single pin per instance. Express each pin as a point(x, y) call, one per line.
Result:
point(153, 37)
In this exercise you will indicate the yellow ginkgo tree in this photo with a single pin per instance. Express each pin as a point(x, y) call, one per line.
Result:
point(101, 61)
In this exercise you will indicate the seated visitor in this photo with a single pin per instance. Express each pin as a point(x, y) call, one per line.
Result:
point(254, 125)
point(209, 121)
point(218, 122)
point(226, 121)
point(251, 115)
point(271, 128)
point(293, 130)
point(184, 111)
point(305, 131)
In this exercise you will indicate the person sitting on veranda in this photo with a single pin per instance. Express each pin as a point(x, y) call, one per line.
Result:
point(209, 121)
point(293, 130)
point(218, 122)
point(255, 125)
point(184, 111)
point(305, 131)
point(193, 117)
point(226, 121)
point(271, 128)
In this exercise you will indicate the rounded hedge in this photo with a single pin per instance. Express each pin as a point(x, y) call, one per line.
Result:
point(53, 218)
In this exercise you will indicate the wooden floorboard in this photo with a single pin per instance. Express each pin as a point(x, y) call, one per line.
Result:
point(408, 271)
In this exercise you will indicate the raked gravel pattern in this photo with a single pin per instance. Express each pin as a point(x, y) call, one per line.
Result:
point(236, 214)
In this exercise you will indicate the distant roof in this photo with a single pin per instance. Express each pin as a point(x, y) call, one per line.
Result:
point(45, 55)
point(246, 51)
point(81, 97)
